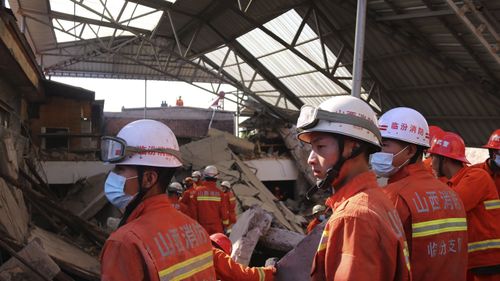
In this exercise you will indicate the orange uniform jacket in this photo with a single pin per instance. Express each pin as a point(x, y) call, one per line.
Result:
point(210, 210)
point(480, 197)
point(229, 270)
point(151, 247)
point(364, 238)
point(188, 202)
point(434, 221)
point(312, 225)
point(230, 204)
point(494, 175)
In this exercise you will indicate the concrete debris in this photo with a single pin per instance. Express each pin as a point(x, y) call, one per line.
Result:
point(245, 234)
point(281, 239)
point(40, 266)
point(296, 264)
point(248, 189)
point(14, 217)
point(236, 144)
point(88, 198)
point(299, 151)
point(68, 256)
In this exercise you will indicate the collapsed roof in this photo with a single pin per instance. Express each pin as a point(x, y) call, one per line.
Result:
point(437, 56)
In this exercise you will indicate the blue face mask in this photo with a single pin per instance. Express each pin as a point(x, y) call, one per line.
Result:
point(322, 217)
point(114, 190)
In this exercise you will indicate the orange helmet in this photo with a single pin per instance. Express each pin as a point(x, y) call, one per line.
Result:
point(494, 141)
point(449, 145)
point(222, 242)
point(435, 131)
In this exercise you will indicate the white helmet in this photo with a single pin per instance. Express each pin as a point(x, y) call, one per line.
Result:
point(210, 171)
point(405, 124)
point(344, 115)
point(175, 187)
point(226, 184)
point(150, 134)
point(196, 174)
point(318, 208)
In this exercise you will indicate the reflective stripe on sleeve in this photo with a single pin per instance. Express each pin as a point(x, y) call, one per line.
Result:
point(484, 245)
point(232, 199)
point(262, 274)
point(324, 240)
point(406, 252)
point(492, 204)
point(187, 268)
point(225, 222)
point(434, 227)
point(208, 198)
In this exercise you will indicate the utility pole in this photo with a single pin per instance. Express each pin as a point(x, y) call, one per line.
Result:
point(359, 45)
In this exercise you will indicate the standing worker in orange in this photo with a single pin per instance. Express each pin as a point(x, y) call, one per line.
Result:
point(434, 131)
point(227, 269)
point(230, 205)
point(179, 102)
point(147, 246)
point(364, 238)
point(196, 175)
point(492, 164)
point(319, 215)
point(174, 192)
point(188, 198)
point(433, 217)
point(480, 198)
point(210, 210)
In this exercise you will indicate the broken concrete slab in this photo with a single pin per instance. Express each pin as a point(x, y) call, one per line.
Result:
point(66, 255)
point(246, 232)
point(296, 264)
point(236, 144)
point(207, 151)
point(89, 198)
point(14, 216)
point(281, 239)
point(8, 156)
point(34, 254)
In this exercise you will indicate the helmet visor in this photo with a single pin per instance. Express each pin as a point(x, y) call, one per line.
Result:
point(115, 149)
point(307, 117)
point(112, 149)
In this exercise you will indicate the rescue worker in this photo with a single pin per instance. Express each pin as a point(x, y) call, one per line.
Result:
point(196, 175)
point(492, 164)
point(209, 208)
point(187, 200)
point(482, 205)
point(364, 238)
point(179, 101)
point(318, 212)
point(230, 204)
point(146, 246)
point(434, 131)
point(433, 217)
point(174, 192)
point(227, 269)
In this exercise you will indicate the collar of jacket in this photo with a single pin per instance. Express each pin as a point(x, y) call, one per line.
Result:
point(458, 176)
point(407, 170)
point(150, 204)
point(361, 182)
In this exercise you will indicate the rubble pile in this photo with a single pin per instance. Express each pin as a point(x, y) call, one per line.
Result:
point(53, 238)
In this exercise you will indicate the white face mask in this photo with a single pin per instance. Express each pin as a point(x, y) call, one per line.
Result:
point(114, 190)
point(381, 163)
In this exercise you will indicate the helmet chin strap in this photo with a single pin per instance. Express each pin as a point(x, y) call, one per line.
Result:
point(334, 172)
point(137, 199)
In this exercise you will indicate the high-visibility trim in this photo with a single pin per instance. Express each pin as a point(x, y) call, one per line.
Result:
point(492, 204)
point(484, 245)
point(232, 199)
point(324, 240)
point(406, 252)
point(434, 227)
point(208, 198)
point(188, 267)
point(225, 222)
point(262, 274)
